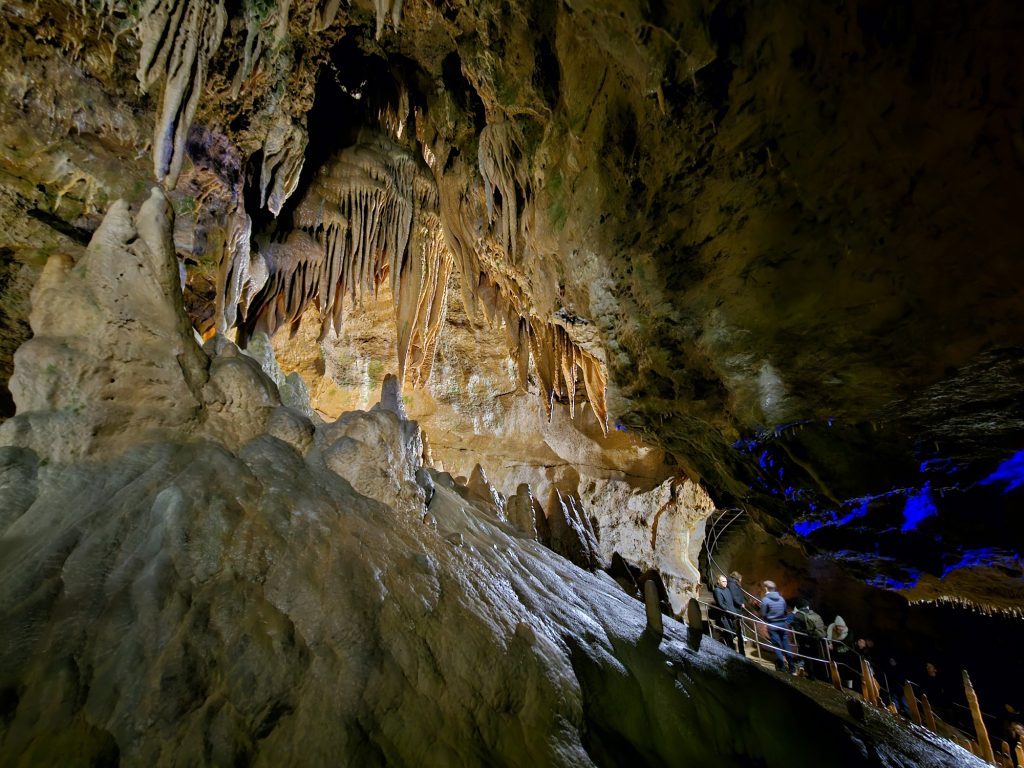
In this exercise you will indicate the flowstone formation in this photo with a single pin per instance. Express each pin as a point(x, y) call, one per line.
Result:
point(234, 584)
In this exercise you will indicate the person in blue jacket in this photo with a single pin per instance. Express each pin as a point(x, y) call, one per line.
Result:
point(773, 611)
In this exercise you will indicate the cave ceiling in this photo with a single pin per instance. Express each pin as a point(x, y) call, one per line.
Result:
point(781, 241)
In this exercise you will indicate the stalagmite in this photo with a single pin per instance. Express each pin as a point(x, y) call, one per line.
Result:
point(567, 535)
point(541, 520)
point(908, 694)
point(586, 527)
point(178, 39)
point(481, 491)
point(652, 608)
point(979, 724)
point(929, 717)
point(520, 511)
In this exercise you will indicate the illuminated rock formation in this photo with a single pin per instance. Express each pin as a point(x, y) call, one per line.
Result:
point(184, 597)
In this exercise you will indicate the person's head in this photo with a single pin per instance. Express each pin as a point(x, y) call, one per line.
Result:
point(802, 604)
point(769, 586)
point(931, 669)
point(861, 643)
point(737, 576)
point(722, 581)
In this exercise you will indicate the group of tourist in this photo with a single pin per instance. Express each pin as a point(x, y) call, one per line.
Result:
point(813, 642)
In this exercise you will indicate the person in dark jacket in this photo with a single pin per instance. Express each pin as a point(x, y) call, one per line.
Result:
point(811, 631)
point(724, 600)
point(773, 611)
point(735, 582)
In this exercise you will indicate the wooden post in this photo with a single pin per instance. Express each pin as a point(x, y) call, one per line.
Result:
point(929, 718)
point(836, 680)
point(979, 724)
point(908, 694)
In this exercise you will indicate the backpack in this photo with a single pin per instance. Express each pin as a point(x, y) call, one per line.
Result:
point(815, 626)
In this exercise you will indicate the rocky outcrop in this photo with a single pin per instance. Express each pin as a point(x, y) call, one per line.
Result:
point(660, 529)
point(109, 347)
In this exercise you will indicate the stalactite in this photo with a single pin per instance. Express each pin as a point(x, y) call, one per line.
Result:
point(323, 15)
point(386, 8)
point(284, 151)
point(419, 330)
point(500, 159)
point(464, 245)
point(234, 275)
point(289, 289)
point(260, 17)
point(369, 216)
point(394, 117)
point(178, 38)
point(558, 360)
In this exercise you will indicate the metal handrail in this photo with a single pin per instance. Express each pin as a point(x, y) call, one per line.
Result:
point(760, 643)
point(827, 642)
point(751, 617)
point(711, 542)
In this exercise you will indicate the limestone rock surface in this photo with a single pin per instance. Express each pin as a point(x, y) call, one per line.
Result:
point(111, 344)
point(662, 529)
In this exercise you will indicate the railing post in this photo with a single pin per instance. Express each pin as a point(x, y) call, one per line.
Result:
point(865, 682)
point(837, 681)
point(979, 724)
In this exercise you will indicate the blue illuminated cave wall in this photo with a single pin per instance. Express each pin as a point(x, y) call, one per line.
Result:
point(918, 511)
